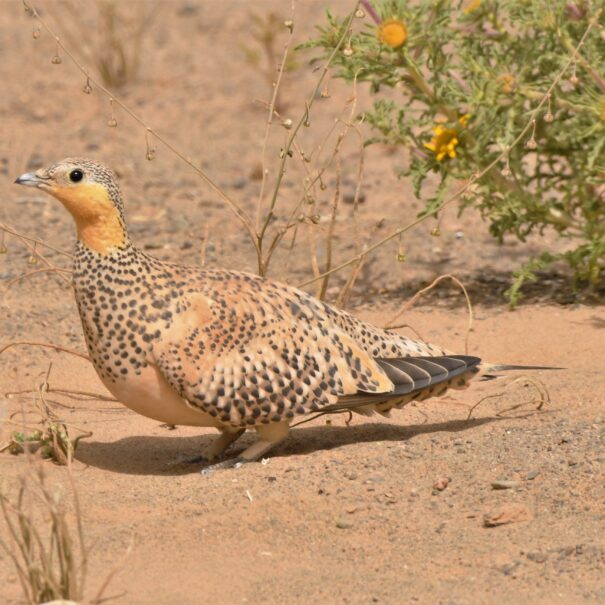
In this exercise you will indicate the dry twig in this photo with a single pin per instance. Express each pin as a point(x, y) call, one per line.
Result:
point(410, 303)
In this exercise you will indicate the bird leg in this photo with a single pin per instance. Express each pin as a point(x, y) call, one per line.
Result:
point(269, 436)
point(216, 448)
point(221, 443)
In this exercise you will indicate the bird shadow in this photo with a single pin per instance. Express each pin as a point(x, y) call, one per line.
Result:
point(143, 455)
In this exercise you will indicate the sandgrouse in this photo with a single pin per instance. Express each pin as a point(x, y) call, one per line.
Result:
point(226, 349)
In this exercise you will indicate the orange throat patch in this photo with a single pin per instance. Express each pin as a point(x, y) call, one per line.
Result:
point(97, 219)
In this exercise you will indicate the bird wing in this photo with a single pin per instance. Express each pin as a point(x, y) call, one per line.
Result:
point(249, 351)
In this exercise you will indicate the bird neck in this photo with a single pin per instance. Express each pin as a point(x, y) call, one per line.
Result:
point(99, 219)
point(104, 233)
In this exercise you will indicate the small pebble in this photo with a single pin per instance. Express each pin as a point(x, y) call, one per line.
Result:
point(510, 568)
point(507, 513)
point(504, 484)
point(566, 551)
point(537, 556)
point(441, 483)
point(239, 183)
point(344, 524)
point(532, 475)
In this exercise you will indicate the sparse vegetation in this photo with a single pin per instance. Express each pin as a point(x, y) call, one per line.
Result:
point(264, 50)
point(467, 77)
point(50, 435)
point(45, 540)
point(116, 46)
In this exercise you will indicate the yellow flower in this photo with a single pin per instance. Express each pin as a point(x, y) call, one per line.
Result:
point(393, 32)
point(507, 82)
point(445, 140)
point(473, 5)
point(444, 143)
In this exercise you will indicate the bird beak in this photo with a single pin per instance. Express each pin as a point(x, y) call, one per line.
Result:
point(30, 179)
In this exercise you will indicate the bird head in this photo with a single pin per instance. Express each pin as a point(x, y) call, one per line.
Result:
point(91, 193)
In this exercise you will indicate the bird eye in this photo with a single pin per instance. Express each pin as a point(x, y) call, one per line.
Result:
point(76, 176)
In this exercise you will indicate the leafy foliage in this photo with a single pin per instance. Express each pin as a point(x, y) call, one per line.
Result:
point(466, 79)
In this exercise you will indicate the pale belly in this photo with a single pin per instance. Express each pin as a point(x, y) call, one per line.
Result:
point(150, 395)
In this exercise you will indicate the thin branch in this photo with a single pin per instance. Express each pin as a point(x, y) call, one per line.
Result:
point(44, 345)
point(302, 120)
point(34, 252)
point(331, 226)
point(36, 271)
point(271, 111)
point(410, 303)
point(40, 242)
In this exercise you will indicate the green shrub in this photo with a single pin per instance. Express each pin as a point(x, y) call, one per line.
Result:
point(467, 76)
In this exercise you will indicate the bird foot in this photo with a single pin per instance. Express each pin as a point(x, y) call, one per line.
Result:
point(225, 464)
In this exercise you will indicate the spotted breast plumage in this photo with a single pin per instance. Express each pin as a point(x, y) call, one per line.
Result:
point(227, 349)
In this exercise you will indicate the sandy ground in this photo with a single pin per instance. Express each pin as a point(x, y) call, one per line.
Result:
point(339, 514)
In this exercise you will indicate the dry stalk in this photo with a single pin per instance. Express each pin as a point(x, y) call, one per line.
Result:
point(330, 234)
point(49, 434)
point(46, 345)
point(36, 254)
point(411, 328)
point(542, 399)
point(272, 113)
point(12, 231)
point(116, 51)
point(304, 119)
point(80, 396)
point(35, 272)
point(410, 303)
point(47, 568)
point(309, 194)
point(50, 562)
point(328, 413)
point(343, 295)
point(313, 254)
point(345, 292)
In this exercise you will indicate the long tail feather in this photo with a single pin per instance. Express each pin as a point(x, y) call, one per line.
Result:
point(489, 369)
point(498, 367)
